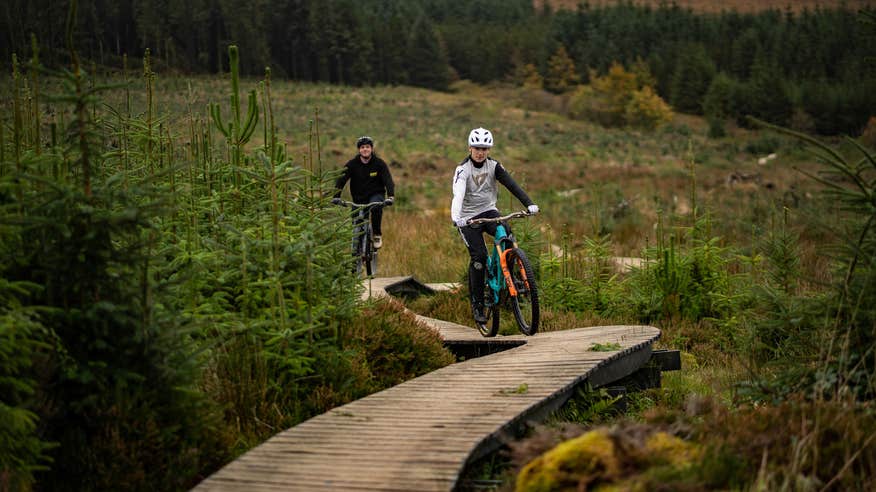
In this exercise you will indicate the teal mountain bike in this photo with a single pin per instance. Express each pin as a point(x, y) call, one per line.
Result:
point(510, 281)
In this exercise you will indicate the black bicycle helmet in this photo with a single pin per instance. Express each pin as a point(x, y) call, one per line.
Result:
point(364, 141)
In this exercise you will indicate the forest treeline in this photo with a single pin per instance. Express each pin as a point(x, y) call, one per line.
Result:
point(812, 70)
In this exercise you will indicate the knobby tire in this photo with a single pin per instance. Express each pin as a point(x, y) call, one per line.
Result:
point(492, 315)
point(367, 255)
point(525, 304)
point(370, 257)
point(372, 265)
point(361, 251)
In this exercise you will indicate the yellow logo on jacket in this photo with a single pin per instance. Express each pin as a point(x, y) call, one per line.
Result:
point(373, 174)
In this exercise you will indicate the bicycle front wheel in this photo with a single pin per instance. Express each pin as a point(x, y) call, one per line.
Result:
point(491, 327)
point(361, 251)
point(525, 303)
point(370, 257)
point(371, 260)
point(366, 254)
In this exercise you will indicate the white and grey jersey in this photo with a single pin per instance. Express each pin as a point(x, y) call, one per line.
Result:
point(475, 188)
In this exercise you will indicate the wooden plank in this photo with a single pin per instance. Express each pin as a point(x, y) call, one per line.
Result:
point(420, 434)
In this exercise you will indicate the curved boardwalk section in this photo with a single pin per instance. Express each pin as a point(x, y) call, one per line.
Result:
point(421, 434)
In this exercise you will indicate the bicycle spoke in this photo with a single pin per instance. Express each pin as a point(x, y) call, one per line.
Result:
point(491, 327)
point(525, 303)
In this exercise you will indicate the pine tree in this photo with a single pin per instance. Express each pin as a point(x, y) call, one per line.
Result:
point(617, 86)
point(646, 109)
point(765, 94)
point(561, 75)
point(289, 38)
point(742, 53)
point(530, 78)
point(389, 51)
point(720, 99)
point(691, 79)
point(427, 58)
point(247, 25)
point(720, 103)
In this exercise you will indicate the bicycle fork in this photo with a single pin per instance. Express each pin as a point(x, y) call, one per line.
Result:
point(506, 272)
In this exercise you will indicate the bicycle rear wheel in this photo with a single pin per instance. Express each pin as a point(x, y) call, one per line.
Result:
point(525, 303)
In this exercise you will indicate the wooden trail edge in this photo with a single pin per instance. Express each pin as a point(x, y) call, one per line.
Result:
point(421, 434)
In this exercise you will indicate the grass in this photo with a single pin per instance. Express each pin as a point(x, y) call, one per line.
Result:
point(421, 134)
point(589, 181)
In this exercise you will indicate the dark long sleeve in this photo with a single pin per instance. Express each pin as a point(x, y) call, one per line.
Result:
point(342, 181)
point(503, 177)
point(387, 181)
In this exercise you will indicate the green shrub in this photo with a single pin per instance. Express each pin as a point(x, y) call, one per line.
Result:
point(169, 292)
point(393, 345)
point(690, 280)
point(832, 332)
point(582, 281)
point(763, 145)
point(620, 98)
point(379, 347)
point(585, 103)
point(717, 127)
point(23, 452)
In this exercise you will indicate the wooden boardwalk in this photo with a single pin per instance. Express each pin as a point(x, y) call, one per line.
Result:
point(420, 435)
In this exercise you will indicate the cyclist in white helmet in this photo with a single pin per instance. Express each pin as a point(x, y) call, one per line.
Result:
point(475, 187)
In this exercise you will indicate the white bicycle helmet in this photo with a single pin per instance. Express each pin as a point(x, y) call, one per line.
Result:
point(480, 137)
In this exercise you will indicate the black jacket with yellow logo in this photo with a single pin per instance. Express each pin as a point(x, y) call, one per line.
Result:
point(366, 180)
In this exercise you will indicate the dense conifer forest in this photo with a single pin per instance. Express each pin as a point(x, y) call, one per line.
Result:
point(810, 67)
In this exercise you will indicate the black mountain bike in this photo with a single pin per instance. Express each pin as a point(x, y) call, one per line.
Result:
point(510, 281)
point(363, 236)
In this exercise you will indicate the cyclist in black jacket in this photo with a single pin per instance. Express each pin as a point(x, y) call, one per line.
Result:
point(370, 181)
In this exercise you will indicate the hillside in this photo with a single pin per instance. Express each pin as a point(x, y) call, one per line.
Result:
point(722, 5)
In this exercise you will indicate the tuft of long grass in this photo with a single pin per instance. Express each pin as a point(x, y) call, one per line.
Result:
point(422, 243)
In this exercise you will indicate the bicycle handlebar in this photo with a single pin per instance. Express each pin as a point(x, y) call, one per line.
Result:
point(344, 203)
point(513, 215)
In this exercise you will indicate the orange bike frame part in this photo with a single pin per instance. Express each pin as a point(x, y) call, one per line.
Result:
point(509, 282)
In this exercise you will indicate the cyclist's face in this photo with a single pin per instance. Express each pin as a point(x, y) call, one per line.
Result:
point(479, 154)
point(365, 151)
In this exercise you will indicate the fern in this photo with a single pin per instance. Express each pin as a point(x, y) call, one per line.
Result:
point(587, 406)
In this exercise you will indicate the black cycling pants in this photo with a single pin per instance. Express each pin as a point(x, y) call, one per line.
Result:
point(376, 214)
point(473, 236)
